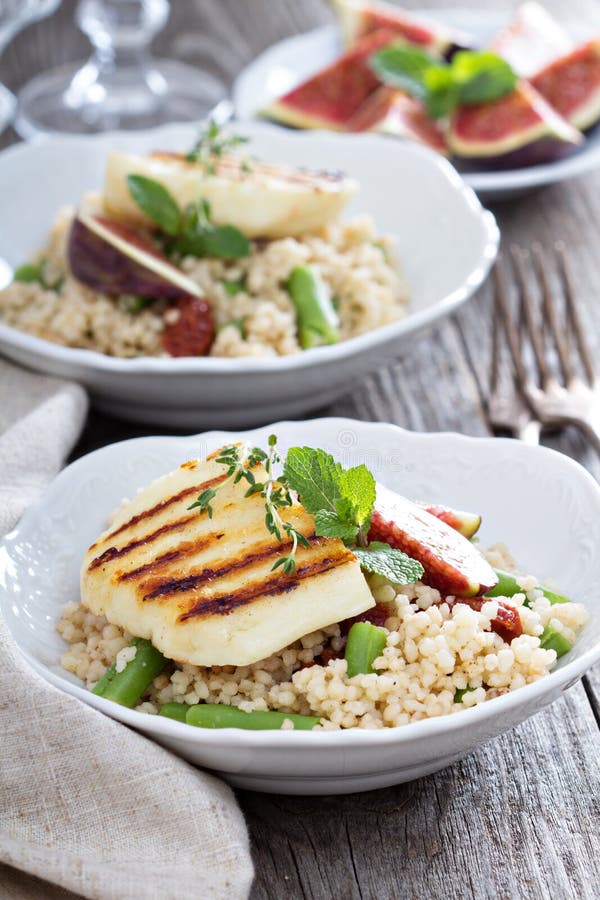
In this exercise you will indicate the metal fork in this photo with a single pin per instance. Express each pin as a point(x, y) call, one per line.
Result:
point(566, 392)
point(506, 410)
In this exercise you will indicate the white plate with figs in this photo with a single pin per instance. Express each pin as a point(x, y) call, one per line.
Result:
point(444, 240)
point(531, 41)
point(540, 503)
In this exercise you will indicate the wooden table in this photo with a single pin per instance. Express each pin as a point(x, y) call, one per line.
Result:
point(519, 818)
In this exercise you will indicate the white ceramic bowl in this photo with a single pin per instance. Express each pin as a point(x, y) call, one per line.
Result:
point(446, 243)
point(294, 59)
point(543, 505)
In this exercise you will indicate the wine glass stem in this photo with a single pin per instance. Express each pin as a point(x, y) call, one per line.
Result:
point(121, 30)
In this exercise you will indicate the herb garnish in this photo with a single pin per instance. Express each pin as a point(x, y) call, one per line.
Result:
point(341, 501)
point(211, 145)
point(37, 273)
point(472, 76)
point(189, 232)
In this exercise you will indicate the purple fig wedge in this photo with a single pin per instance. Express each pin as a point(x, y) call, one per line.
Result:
point(531, 40)
point(571, 85)
point(452, 564)
point(519, 129)
point(391, 111)
point(116, 259)
point(466, 523)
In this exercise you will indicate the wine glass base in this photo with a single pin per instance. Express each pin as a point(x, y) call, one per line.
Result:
point(7, 107)
point(82, 99)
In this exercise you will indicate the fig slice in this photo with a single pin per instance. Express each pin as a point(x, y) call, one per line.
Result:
point(116, 259)
point(571, 85)
point(332, 96)
point(532, 39)
point(466, 523)
point(452, 564)
point(358, 19)
point(392, 111)
point(519, 129)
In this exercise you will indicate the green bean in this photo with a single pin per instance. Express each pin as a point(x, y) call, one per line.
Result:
point(460, 693)
point(174, 711)
point(550, 639)
point(507, 587)
point(365, 643)
point(216, 715)
point(126, 687)
point(318, 322)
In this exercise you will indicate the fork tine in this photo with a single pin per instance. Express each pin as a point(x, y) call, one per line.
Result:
point(504, 317)
point(567, 280)
point(527, 311)
point(550, 310)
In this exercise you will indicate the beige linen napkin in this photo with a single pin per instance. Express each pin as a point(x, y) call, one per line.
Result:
point(86, 803)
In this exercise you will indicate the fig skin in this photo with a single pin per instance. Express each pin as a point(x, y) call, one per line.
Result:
point(139, 268)
point(452, 564)
point(466, 523)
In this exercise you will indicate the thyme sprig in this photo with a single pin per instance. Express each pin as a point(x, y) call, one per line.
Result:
point(274, 490)
point(211, 145)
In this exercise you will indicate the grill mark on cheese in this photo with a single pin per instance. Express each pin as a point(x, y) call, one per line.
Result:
point(168, 501)
point(163, 587)
point(224, 604)
point(118, 552)
point(187, 548)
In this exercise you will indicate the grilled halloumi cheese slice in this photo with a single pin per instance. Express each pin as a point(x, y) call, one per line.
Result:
point(203, 589)
point(262, 200)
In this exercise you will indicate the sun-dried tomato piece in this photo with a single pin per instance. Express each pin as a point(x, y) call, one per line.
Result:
point(193, 332)
point(507, 623)
point(377, 615)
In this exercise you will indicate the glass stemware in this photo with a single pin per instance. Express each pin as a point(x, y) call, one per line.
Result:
point(121, 85)
point(14, 15)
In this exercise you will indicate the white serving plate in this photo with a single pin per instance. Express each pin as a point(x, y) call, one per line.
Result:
point(445, 240)
point(291, 61)
point(545, 506)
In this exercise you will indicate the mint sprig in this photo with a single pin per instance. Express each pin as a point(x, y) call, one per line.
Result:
point(340, 500)
point(470, 78)
point(396, 566)
point(189, 232)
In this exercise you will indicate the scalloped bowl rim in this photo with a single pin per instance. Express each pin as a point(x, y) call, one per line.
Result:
point(567, 674)
point(414, 320)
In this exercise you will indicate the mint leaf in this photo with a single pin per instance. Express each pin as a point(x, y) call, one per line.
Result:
point(442, 93)
point(197, 236)
point(156, 202)
point(329, 524)
point(473, 76)
point(222, 241)
point(481, 76)
point(394, 565)
point(358, 487)
point(315, 476)
point(403, 67)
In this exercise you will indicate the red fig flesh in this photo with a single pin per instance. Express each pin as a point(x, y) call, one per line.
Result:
point(464, 522)
point(358, 18)
point(192, 333)
point(332, 96)
point(452, 564)
point(391, 111)
point(571, 85)
point(532, 39)
point(518, 129)
point(115, 259)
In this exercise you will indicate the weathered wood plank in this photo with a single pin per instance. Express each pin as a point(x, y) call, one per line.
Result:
point(517, 818)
